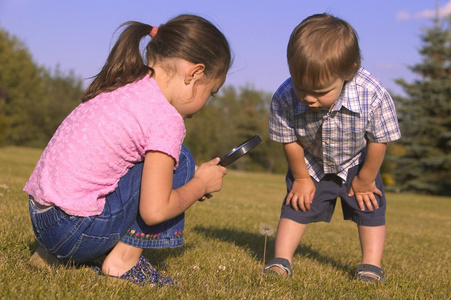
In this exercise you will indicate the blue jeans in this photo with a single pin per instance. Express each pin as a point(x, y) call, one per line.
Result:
point(81, 239)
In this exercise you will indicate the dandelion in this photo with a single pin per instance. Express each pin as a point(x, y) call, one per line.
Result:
point(266, 230)
point(222, 268)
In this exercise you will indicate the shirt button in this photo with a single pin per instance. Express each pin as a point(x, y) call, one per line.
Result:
point(327, 142)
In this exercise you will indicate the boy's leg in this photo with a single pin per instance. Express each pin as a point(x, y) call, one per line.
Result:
point(370, 224)
point(372, 242)
point(288, 237)
point(290, 232)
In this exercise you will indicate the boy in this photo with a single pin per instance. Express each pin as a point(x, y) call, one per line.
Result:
point(334, 120)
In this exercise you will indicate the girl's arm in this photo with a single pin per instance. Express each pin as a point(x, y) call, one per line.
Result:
point(159, 202)
point(363, 185)
point(303, 190)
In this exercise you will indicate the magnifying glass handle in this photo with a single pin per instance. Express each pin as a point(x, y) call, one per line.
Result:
point(206, 196)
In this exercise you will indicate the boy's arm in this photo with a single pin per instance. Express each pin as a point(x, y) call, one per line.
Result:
point(303, 190)
point(294, 153)
point(363, 185)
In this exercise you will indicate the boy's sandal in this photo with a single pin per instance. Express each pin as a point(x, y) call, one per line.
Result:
point(370, 273)
point(142, 273)
point(280, 263)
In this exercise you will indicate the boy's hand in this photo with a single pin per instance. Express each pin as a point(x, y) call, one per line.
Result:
point(364, 193)
point(301, 194)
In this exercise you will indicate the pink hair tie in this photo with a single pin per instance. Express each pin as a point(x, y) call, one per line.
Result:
point(153, 32)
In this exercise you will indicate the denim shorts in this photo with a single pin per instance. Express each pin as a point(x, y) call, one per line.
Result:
point(82, 239)
point(328, 190)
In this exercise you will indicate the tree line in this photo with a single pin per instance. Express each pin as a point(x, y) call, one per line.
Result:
point(34, 101)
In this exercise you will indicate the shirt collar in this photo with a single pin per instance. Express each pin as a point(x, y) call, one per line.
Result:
point(351, 101)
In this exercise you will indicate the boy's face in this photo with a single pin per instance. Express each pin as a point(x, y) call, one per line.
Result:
point(321, 98)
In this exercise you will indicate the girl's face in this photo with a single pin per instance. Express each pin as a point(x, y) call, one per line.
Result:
point(200, 93)
point(187, 89)
point(321, 98)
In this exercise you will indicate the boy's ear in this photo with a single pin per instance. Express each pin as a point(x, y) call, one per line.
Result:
point(194, 73)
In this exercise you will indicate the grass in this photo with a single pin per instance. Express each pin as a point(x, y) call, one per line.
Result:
point(223, 250)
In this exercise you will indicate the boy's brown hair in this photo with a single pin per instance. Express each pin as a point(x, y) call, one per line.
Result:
point(321, 49)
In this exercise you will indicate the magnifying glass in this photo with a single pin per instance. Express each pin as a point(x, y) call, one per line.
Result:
point(236, 153)
point(239, 151)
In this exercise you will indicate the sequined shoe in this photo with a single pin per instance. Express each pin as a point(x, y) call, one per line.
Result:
point(142, 273)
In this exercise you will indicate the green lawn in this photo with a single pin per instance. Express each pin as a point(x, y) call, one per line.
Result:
point(223, 250)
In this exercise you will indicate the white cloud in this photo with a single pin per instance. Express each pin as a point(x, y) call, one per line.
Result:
point(425, 14)
point(402, 16)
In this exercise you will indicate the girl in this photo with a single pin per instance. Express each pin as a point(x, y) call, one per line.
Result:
point(115, 177)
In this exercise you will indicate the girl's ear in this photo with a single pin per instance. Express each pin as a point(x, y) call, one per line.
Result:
point(194, 73)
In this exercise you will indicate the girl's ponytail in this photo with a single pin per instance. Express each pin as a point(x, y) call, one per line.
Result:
point(187, 37)
point(124, 63)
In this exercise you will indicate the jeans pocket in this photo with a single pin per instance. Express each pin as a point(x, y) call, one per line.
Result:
point(55, 230)
point(42, 220)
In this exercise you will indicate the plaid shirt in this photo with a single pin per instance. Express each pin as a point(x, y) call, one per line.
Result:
point(336, 140)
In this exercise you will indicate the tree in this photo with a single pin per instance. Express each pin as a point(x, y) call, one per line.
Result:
point(33, 100)
point(20, 82)
point(425, 117)
point(229, 119)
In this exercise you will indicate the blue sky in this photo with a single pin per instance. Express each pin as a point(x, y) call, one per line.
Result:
point(77, 35)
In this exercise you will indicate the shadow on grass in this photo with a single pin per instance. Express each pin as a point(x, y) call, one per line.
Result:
point(32, 246)
point(157, 256)
point(255, 243)
point(154, 256)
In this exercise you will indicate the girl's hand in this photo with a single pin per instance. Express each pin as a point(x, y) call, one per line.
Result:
point(211, 175)
point(364, 193)
point(206, 196)
point(301, 194)
point(159, 202)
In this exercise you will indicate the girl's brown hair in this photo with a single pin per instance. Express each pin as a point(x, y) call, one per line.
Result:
point(187, 37)
point(321, 49)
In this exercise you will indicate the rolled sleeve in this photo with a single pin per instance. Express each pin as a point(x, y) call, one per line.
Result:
point(384, 122)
